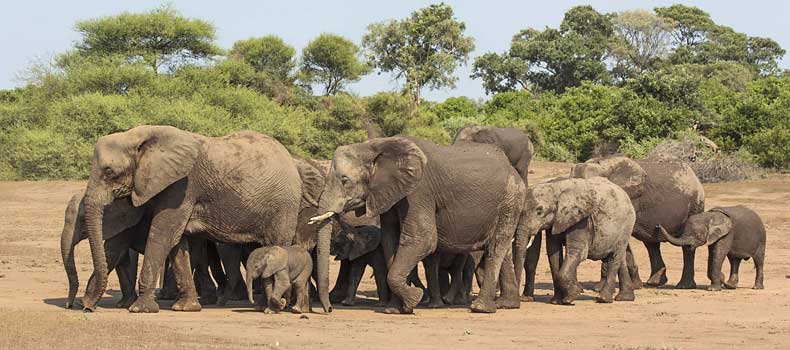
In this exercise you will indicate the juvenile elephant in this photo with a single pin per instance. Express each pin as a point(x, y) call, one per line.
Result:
point(735, 232)
point(241, 188)
point(662, 193)
point(593, 218)
point(519, 151)
point(356, 249)
point(282, 269)
point(430, 198)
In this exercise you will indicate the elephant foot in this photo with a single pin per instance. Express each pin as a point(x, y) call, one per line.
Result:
point(483, 306)
point(438, 304)
point(625, 295)
point(714, 287)
point(296, 310)
point(508, 302)
point(336, 297)
point(527, 299)
point(686, 284)
point(732, 283)
point(221, 300)
point(187, 304)
point(659, 278)
point(605, 296)
point(167, 294)
point(573, 291)
point(144, 304)
point(269, 311)
point(349, 302)
point(636, 283)
point(126, 302)
point(410, 298)
point(758, 286)
point(599, 286)
point(208, 300)
point(556, 300)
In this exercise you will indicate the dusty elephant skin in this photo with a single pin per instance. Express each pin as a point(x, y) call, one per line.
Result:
point(282, 269)
point(734, 232)
point(356, 249)
point(593, 218)
point(662, 193)
point(240, 188)
point(431, 198)
point(519, 151)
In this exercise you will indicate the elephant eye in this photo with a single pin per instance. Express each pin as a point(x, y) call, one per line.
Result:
point(109, 173)
point(539, 211)
point(345, 180)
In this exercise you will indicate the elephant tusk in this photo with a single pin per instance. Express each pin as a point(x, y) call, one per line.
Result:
point(319, 218)
point(531, 240)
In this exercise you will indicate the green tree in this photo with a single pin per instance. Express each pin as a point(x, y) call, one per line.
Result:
point(501, 73)
point(690, 23)
point(424, 49)
point(160, 38)
point(332, 61)
point(268, 54)
point(643, 40)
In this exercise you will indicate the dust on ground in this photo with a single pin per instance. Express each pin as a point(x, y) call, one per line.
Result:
point(33, 288)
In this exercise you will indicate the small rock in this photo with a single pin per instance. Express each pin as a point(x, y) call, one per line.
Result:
point(2, 275)
point(304, 317)
point(467, 332)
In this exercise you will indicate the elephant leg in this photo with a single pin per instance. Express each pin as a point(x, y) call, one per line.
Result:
point(606, 293)
point(455, 294)
point(418, 239)
point(301, 294)
point(380, 273)
point(166, 229)
point(431, 264)
point(198, 251)
point(355, 277)
point(716, 255)
point(577, 243)
point(115, 250)
point(530, 268)
point(604, 274)
point(732, 282)
point(658, 271)
point(443, 276)
point(759, 260)
point(230, 254)
point(215, 267)
point(187, 294)
point(268, 290)
point(508, 297)
point(633, 269)
point(169, 291)
point(687, 279)
point(127, 276)
point(340, 289)
point(556, 259)
point(281, 285)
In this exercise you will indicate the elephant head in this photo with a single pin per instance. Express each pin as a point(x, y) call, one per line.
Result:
point(368, 178)
point(352, 244)
point(557, 205)
point(701, 229)
point(264, 262)
point(138, 163)
point(471, 133)
point(622, 171)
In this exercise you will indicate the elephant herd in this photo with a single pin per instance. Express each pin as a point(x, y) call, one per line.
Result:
point(208, 206)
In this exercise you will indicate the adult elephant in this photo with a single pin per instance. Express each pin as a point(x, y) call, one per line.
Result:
point(662, 193)
point(519, 151)
point(430, 198)
point(241, 188)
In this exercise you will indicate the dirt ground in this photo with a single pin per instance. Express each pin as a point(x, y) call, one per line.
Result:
point(33, 288)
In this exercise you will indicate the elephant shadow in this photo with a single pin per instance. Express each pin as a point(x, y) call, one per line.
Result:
point(108, 303)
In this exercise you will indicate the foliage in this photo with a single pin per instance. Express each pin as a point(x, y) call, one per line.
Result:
point(423, 49)
point(159, 37)
point(332, 60)
point(642, 42)
point(268, 54)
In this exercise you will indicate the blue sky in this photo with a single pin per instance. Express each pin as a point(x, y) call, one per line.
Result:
point(32, 29)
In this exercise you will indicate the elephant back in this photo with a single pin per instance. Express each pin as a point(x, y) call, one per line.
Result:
point(746, 226)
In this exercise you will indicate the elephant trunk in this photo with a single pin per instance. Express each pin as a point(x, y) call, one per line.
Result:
point(322, 254)
point(251, 275)
point(677, 241)
point(95, 202)
point(521, 243)
point(71, 235)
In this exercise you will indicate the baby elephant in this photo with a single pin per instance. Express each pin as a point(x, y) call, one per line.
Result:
point(735, 232)
point(281, 269)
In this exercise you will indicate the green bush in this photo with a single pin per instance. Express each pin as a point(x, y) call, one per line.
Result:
point(772, 147)
point(46, 154)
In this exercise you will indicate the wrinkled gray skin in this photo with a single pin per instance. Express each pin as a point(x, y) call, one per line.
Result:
point(125, 232)
point(282, 269)
point(241, 188)
point(207, 266)
point(593, 219)
point(356, 249)
point(519, 151)
point(662, 193)
point(735, 232)
point(431, 198)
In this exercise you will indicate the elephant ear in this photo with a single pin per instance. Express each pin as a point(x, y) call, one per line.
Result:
point(119, 216)
point(274, 260)
point(164, 156)
point(396, 170)
point(366, 240)
point(718, 227)
point(312, 181)
point(629, 175)
point(573, 205)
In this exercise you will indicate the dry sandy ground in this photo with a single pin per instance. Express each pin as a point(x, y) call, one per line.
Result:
point(33, 287)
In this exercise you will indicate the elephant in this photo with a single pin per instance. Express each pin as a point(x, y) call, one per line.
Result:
point(519, 150)
point(662, 193)
point(282, 269)
point(594, 219)
point(125, 234)
point(430, 198)
point(735, 232)
point(240, 188)
point(356, 249)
